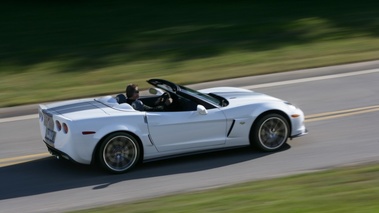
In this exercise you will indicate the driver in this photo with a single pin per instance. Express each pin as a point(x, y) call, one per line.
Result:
point(132, 94)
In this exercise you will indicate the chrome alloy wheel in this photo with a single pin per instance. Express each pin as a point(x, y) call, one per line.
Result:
point(120, 153)
point(273, 133)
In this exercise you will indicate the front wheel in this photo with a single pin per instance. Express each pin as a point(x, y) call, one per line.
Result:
point(270, 132)
point(119, 152)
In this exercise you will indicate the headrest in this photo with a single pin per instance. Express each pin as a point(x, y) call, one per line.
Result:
point(121, 98)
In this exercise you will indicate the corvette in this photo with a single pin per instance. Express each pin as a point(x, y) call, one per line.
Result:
point(117, 137)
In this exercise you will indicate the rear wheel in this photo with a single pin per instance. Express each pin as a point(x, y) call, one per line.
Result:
point(270, 132)
point(119, 152)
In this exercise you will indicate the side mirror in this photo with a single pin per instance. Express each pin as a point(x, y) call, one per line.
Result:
point(201, 110)
point(156, 91)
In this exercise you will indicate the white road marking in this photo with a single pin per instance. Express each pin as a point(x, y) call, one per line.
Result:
point(318, 78)
point(18, 118)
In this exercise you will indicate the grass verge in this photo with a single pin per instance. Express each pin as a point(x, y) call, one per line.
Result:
point(60, 50)
point(348, 189)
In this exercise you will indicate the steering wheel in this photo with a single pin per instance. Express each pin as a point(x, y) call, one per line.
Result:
point(164, 97)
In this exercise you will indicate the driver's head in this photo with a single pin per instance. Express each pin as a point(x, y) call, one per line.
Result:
point(132, 91)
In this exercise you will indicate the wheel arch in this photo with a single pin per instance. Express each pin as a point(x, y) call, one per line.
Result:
point(273, 111)
point(98, 145)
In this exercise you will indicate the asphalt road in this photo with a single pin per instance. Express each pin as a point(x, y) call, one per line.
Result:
point(342, 114)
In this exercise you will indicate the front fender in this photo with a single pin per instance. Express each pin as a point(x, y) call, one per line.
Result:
point(294, 115)
point(272, 106)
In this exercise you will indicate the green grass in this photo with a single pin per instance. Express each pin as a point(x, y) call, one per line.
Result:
point(53, 50)
point(349, 189)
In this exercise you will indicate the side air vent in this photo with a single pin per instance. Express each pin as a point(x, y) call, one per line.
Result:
point(231, 127)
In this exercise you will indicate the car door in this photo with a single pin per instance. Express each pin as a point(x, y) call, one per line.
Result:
point(172, 131)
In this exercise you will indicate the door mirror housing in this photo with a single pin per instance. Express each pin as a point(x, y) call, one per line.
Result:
point(201, 110)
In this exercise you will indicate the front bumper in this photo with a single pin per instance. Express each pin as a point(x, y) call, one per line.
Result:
point(300, 134)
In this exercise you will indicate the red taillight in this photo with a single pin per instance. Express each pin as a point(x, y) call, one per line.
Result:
point(59, 126)
point(65, 128)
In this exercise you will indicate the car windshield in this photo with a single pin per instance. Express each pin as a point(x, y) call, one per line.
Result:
point(200, 95)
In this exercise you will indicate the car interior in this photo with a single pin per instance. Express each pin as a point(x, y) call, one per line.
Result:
point(179, 103)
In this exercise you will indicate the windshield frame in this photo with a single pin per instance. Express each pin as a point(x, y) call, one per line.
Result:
point(202, 96)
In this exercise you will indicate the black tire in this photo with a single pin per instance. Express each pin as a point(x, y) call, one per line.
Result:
point(119, 152)
point(270, 132)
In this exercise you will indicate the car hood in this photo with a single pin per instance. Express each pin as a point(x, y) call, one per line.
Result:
point(240, 96)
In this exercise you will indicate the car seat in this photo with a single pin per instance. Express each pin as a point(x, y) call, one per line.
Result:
point(121, 98)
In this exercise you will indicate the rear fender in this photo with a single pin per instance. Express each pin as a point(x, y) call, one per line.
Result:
point(136, 125)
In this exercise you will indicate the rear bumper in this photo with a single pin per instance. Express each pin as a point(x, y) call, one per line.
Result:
point(58, 154)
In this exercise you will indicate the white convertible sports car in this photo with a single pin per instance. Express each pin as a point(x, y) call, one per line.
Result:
point(116, 136)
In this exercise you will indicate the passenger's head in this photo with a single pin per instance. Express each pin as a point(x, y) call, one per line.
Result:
point(132, 91)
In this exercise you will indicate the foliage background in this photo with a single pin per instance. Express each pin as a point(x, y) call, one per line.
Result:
point(53, 50)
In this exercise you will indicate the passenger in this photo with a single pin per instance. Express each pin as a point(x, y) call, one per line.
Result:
point(132, 94)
